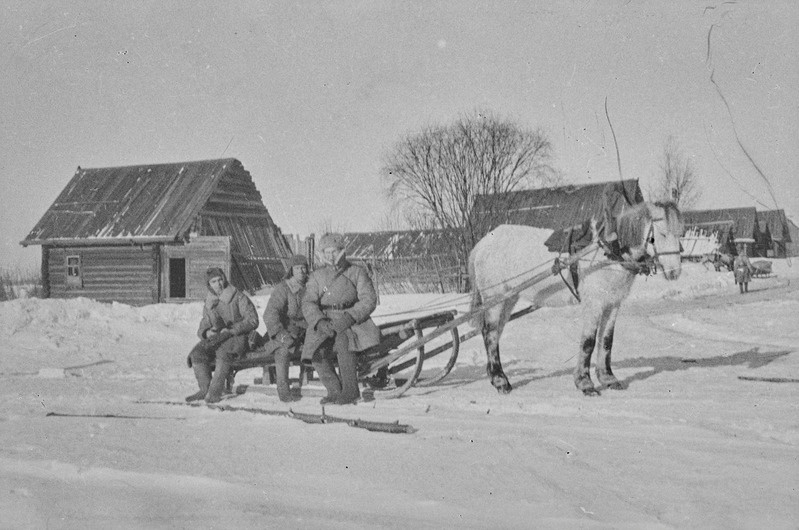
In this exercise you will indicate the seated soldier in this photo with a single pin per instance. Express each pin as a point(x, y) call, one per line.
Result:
point(338, 302)
point(228, 318)
point(285, 325)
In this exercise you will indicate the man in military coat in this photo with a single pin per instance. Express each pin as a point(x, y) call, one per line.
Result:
point(339, 299)
point(228, 318)
point(285, 324)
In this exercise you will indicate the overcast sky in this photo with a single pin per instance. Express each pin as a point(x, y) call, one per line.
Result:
point(310, 95)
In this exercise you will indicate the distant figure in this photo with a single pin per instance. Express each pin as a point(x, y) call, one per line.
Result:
point(285, 324)
point(743, 269)
point(228, 318)
point(338, 302)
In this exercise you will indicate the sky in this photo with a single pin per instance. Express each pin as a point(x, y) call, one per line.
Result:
point(310, 96)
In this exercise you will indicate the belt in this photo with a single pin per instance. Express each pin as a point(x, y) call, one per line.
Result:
point(338, 307)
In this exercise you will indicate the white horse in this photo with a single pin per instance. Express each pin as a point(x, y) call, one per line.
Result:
point(649, 234)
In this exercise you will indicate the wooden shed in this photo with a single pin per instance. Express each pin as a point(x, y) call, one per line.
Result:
point(146, 234)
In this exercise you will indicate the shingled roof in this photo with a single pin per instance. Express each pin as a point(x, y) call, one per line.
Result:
point(147, 202)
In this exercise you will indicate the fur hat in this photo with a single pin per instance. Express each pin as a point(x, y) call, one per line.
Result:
point(215, 272)
point(296, 259)
point(331, 240)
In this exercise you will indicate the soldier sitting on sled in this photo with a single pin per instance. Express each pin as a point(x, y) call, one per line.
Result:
point(338, 302)
point(285, 324)
point(228, 318)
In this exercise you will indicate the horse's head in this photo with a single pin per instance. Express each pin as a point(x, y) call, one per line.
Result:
point(653, 230)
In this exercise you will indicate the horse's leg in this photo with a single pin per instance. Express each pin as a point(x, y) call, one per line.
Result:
point(582, 375)
point(492, 330)
point(604, 374)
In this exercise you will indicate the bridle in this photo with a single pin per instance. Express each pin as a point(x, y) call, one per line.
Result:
point(654, 256)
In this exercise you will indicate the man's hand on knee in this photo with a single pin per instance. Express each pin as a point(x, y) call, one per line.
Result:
point(343, 322)
point(325, 327)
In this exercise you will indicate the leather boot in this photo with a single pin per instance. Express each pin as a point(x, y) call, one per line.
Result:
point(218, 382)
point(203, 374)
point(327, 375)
point(282, 375)
point(348, 366)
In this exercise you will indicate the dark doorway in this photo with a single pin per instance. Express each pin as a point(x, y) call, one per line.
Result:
point(177, 277)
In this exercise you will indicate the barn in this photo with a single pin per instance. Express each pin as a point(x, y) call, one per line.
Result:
point(729, 226)
point(146, 234)
point(560, 209)
point(774, 223)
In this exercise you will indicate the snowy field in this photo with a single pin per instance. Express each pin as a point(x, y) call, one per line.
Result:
point(689, 444)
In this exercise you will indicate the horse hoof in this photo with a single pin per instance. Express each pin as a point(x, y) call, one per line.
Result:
point(591, 392)
point(505, 389)
point(617, 385)
point(501, 384)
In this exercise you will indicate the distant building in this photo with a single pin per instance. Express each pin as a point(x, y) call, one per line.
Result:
point(408, 261)
point(774, 223)
point(763, 233)
point(792, 246)
point(146, 234)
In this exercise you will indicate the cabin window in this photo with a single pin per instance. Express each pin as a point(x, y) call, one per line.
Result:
point(74, 272)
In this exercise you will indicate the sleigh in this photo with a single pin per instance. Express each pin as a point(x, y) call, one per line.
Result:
point(394, 365)
point(389, 379)
point(761, 269)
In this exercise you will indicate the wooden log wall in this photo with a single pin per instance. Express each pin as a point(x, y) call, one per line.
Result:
point(121, 273)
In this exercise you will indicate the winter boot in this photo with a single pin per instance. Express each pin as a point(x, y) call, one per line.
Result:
point(203, 374)
point(282, 375)
point(327, 375)
point(218, 382)
point(347, 365)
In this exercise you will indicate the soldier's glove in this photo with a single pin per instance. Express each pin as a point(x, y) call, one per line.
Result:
point(221, 336)
point(342, 322)
point(325, 327)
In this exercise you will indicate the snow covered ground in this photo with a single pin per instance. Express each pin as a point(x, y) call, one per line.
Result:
point(688, 444)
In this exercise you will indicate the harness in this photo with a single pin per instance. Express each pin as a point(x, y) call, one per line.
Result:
point(643, 265)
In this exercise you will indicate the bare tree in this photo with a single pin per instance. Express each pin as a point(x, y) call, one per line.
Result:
point(677, 180)
point(439, 173)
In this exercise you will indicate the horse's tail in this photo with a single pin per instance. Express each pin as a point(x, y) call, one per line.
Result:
point(477, 300)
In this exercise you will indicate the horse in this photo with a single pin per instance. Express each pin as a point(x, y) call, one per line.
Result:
point(647, 233)
point(717, 259)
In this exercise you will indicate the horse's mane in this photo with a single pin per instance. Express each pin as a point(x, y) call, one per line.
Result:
point(632, 222)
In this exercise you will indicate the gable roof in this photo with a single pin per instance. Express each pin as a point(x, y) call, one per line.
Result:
point(397, 244)
point(559, 207)
point(155, 202)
